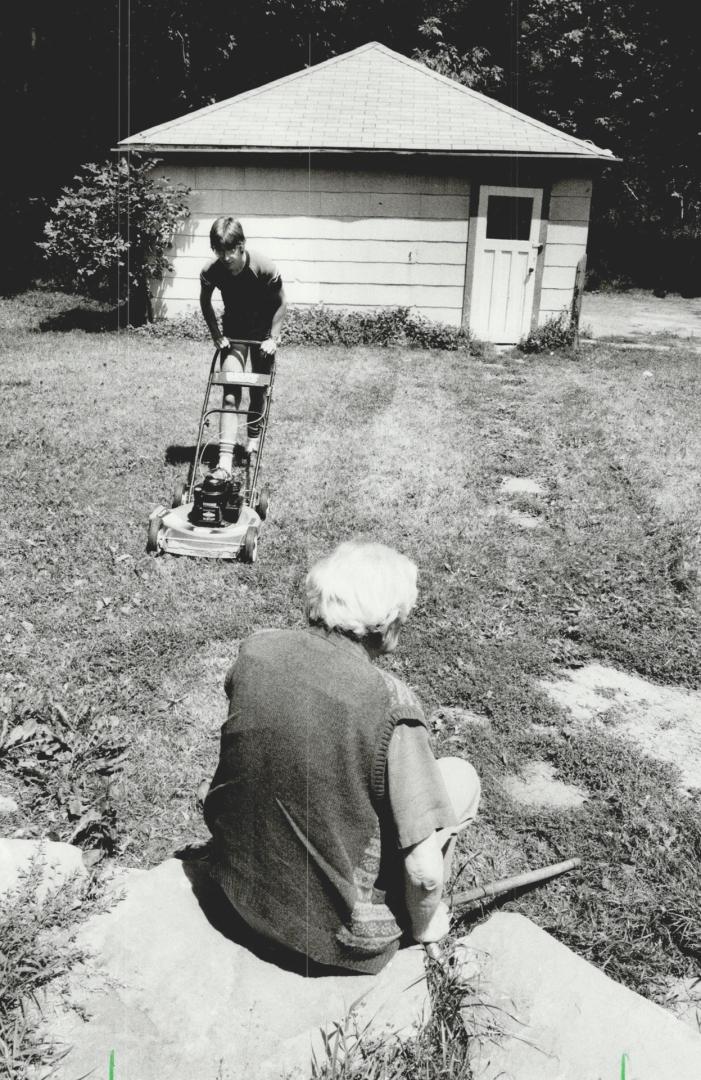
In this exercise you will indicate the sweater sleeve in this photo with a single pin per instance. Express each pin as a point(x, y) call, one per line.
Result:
point(417, 795)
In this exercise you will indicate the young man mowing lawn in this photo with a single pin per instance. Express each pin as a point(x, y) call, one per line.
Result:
point(333, 824)
point(254, 308)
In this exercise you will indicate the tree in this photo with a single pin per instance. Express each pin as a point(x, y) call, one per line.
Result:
point(471, 68)
point(108, 234)
point(625, 74)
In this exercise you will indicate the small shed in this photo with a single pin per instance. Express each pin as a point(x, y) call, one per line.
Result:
point(373, 181)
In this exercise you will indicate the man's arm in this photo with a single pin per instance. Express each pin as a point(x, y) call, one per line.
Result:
point(269, 346)
point(210, 318)
point(420, 807)
point(423, 888)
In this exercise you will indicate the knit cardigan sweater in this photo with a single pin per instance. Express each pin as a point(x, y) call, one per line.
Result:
point(302, 834)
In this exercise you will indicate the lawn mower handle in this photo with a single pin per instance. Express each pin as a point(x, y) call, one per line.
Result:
point(497, 888)
point(240, 341)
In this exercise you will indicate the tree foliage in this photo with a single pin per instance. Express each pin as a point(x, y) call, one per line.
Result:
point(472, 68)
point(623, 73)
point(108, 235)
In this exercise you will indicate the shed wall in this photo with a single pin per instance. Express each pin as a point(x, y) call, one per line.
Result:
point(348, 238)
point(565, 244)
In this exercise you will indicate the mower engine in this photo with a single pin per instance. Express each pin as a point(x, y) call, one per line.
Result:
point(216, 502)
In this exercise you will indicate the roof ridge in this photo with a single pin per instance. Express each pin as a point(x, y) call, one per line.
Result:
point(447, 81)
point(216, 105)
point(562, 143)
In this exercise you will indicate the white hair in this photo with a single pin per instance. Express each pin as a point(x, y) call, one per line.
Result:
point(361, 588)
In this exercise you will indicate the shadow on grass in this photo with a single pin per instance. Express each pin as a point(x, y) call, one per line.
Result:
point(90, 320)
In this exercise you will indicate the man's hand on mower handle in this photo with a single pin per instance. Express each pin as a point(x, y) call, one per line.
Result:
point(268, 347)
point(222, 343)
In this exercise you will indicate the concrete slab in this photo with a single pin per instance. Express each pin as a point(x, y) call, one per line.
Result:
point(546, 1014)
point(664, 721)
point(684, 1001)
point(58, 863)
point(521, 485)
point(537, 785)
point(178, 998)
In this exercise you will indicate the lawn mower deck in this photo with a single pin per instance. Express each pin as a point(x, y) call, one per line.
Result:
point(176, 535)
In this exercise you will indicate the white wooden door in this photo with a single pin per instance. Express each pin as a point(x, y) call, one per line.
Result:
point(506, 247)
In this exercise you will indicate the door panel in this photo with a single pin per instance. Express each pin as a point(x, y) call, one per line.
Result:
point(506, 242)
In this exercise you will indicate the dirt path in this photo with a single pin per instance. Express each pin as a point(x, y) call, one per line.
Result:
point(637, 314)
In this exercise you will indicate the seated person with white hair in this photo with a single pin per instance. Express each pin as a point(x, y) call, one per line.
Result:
point(332, 822)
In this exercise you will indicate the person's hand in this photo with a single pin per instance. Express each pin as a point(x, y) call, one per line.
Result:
point(222, 343)
point(268, 347)
point(438, 926)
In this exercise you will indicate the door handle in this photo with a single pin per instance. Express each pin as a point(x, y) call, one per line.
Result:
point(535, 252)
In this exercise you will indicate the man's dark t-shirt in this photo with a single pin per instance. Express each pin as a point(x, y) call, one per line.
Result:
point(251, 297)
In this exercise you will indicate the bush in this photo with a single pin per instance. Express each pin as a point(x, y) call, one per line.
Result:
point(559, 332)
point(324, 326)
point(387, 326)
point(108, 235)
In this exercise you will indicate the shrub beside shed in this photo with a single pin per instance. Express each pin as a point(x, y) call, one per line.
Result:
point(372, 181)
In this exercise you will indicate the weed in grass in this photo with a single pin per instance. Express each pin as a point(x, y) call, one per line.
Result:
point(439, 1048)
point(37, 948)
point(630, 909)
point(559, 332)
point(66, 764)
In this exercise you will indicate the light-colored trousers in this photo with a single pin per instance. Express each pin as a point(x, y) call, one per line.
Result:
point(464, 789)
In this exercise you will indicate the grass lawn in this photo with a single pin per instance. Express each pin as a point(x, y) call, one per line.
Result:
point(114, 660)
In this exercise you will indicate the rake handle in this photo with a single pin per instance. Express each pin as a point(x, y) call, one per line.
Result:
point(520, 881)
point(496, 888)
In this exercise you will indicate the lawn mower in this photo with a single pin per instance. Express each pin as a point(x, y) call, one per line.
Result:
point(213, 518)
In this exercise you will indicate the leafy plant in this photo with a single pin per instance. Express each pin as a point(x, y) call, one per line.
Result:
point(559, 332)
point(67, 764)
point(37, 946)
point(320, 325)
point(109, 234)
point(472, 68)
point(359, 1050)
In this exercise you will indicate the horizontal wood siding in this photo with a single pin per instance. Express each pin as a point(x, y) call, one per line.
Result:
point(337, 228)
point(353, 238)
point(373, 272)
point(287, 249)
point(177, 308)
point(566, 243)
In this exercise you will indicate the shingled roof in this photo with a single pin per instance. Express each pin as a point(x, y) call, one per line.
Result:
point(371, 99)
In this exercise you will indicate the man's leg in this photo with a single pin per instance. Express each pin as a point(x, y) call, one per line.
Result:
point(464, 789)
point(257, 400)
point(233, 360)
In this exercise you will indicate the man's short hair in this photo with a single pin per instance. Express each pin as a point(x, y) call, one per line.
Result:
point(226, 233)
point(361, 589)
